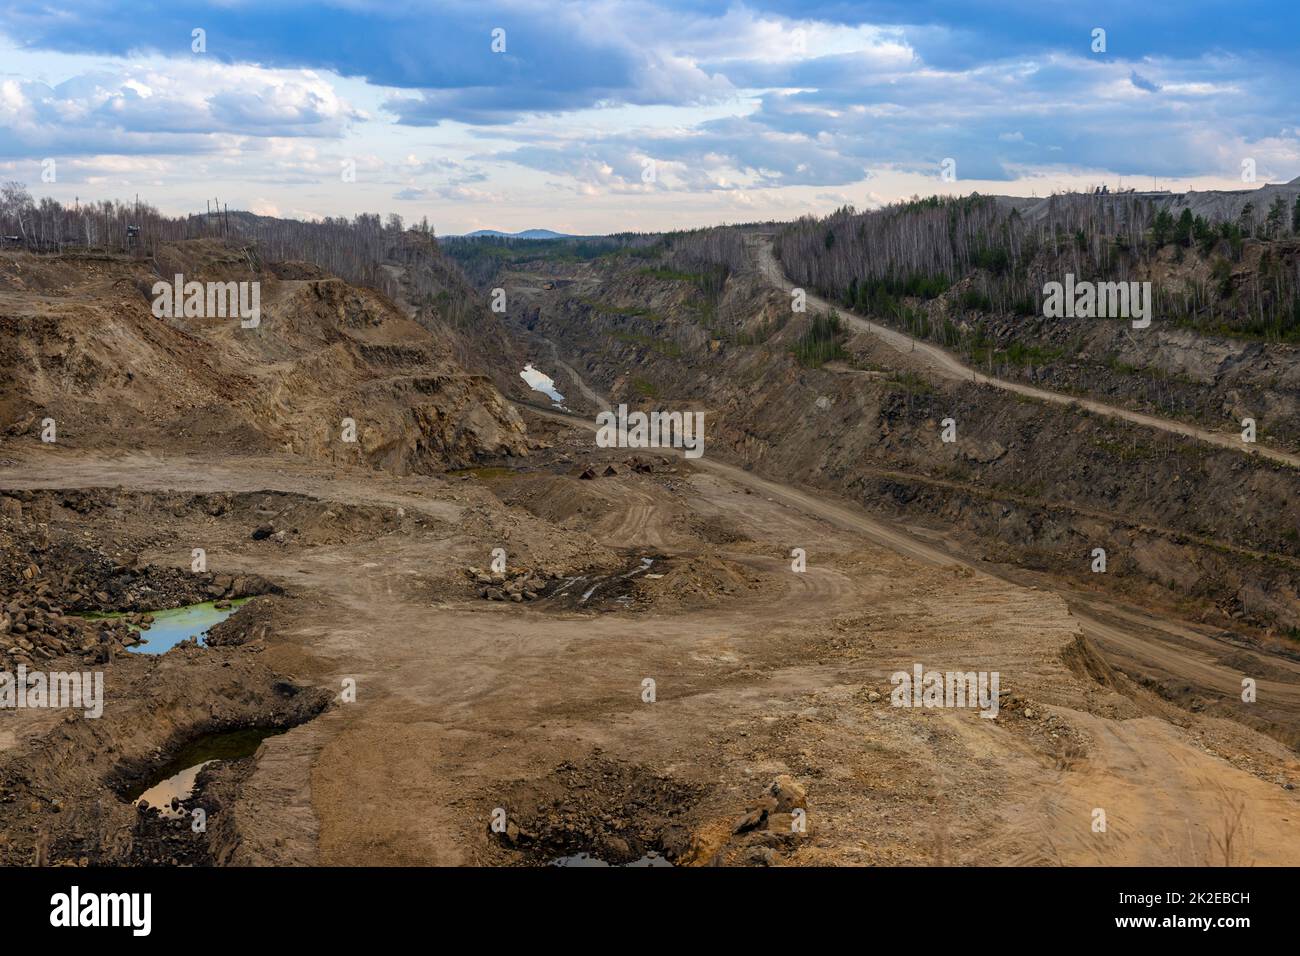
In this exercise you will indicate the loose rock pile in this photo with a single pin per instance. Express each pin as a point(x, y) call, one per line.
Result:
point(33, 629)
point(514, 584)
point(773, 823)
point(44, 588)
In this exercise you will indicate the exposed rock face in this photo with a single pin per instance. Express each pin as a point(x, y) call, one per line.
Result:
point(1043, 484)
point(333, 371)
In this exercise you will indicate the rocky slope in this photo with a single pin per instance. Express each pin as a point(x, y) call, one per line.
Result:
point(80, 345)
point(1223, 341)
point(1029, 484)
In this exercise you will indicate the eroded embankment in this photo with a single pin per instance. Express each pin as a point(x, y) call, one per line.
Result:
point(67, 772)
point(1024, 482)
point(66, 787)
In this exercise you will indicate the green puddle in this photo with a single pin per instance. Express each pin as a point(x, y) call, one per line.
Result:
point(172, 626)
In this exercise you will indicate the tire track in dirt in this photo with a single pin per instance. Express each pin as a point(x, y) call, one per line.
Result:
point(1185, 811)
point(1141, 772)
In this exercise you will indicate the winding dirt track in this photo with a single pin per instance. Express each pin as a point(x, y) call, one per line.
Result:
point(457, 699)
point(1145, 637)
point(947, 365)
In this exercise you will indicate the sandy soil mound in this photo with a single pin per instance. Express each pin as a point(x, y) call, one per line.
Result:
point(700, 580)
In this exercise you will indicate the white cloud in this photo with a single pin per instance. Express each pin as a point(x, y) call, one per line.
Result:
point(175, 106)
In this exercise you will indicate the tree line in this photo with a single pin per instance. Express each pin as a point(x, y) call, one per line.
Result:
point(887, 262)
point(356, 250)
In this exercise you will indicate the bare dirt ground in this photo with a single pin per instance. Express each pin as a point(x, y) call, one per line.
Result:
point(464, 706)
point(650, 674)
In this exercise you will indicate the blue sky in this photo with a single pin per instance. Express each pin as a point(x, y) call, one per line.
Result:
point(636, 114)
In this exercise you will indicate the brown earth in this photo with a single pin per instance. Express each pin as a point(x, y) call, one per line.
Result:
point(731, 711)
point(80, 345)
point(464, 706)
point(1184, 514)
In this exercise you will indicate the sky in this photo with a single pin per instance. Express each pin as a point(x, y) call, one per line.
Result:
point(644, 115)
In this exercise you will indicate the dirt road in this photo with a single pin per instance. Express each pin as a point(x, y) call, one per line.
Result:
point(464, 705)
point(653, 718)
point(943, 363)
point(1153, 642)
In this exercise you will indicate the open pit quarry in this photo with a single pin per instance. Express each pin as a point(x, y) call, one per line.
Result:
point(455, 630)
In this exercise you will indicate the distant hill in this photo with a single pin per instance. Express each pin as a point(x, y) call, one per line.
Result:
point(526, 234)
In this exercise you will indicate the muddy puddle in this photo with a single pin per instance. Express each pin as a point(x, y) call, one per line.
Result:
point(175, 779)
point(586, 859)
point(603, 591)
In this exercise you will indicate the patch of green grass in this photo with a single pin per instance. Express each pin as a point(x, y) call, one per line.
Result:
point(630, 311)
point(1017, 354)
point(910, 381)
point(1021, 354)
point(645, 387)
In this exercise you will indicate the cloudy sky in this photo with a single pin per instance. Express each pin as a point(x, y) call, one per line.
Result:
point(636, 114)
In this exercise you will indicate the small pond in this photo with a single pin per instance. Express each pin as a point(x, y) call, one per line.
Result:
point(176, 777)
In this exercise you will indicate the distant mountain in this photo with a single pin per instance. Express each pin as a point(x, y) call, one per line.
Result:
point(526, 234)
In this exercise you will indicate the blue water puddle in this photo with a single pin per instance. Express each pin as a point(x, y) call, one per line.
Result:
point(172, 626)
